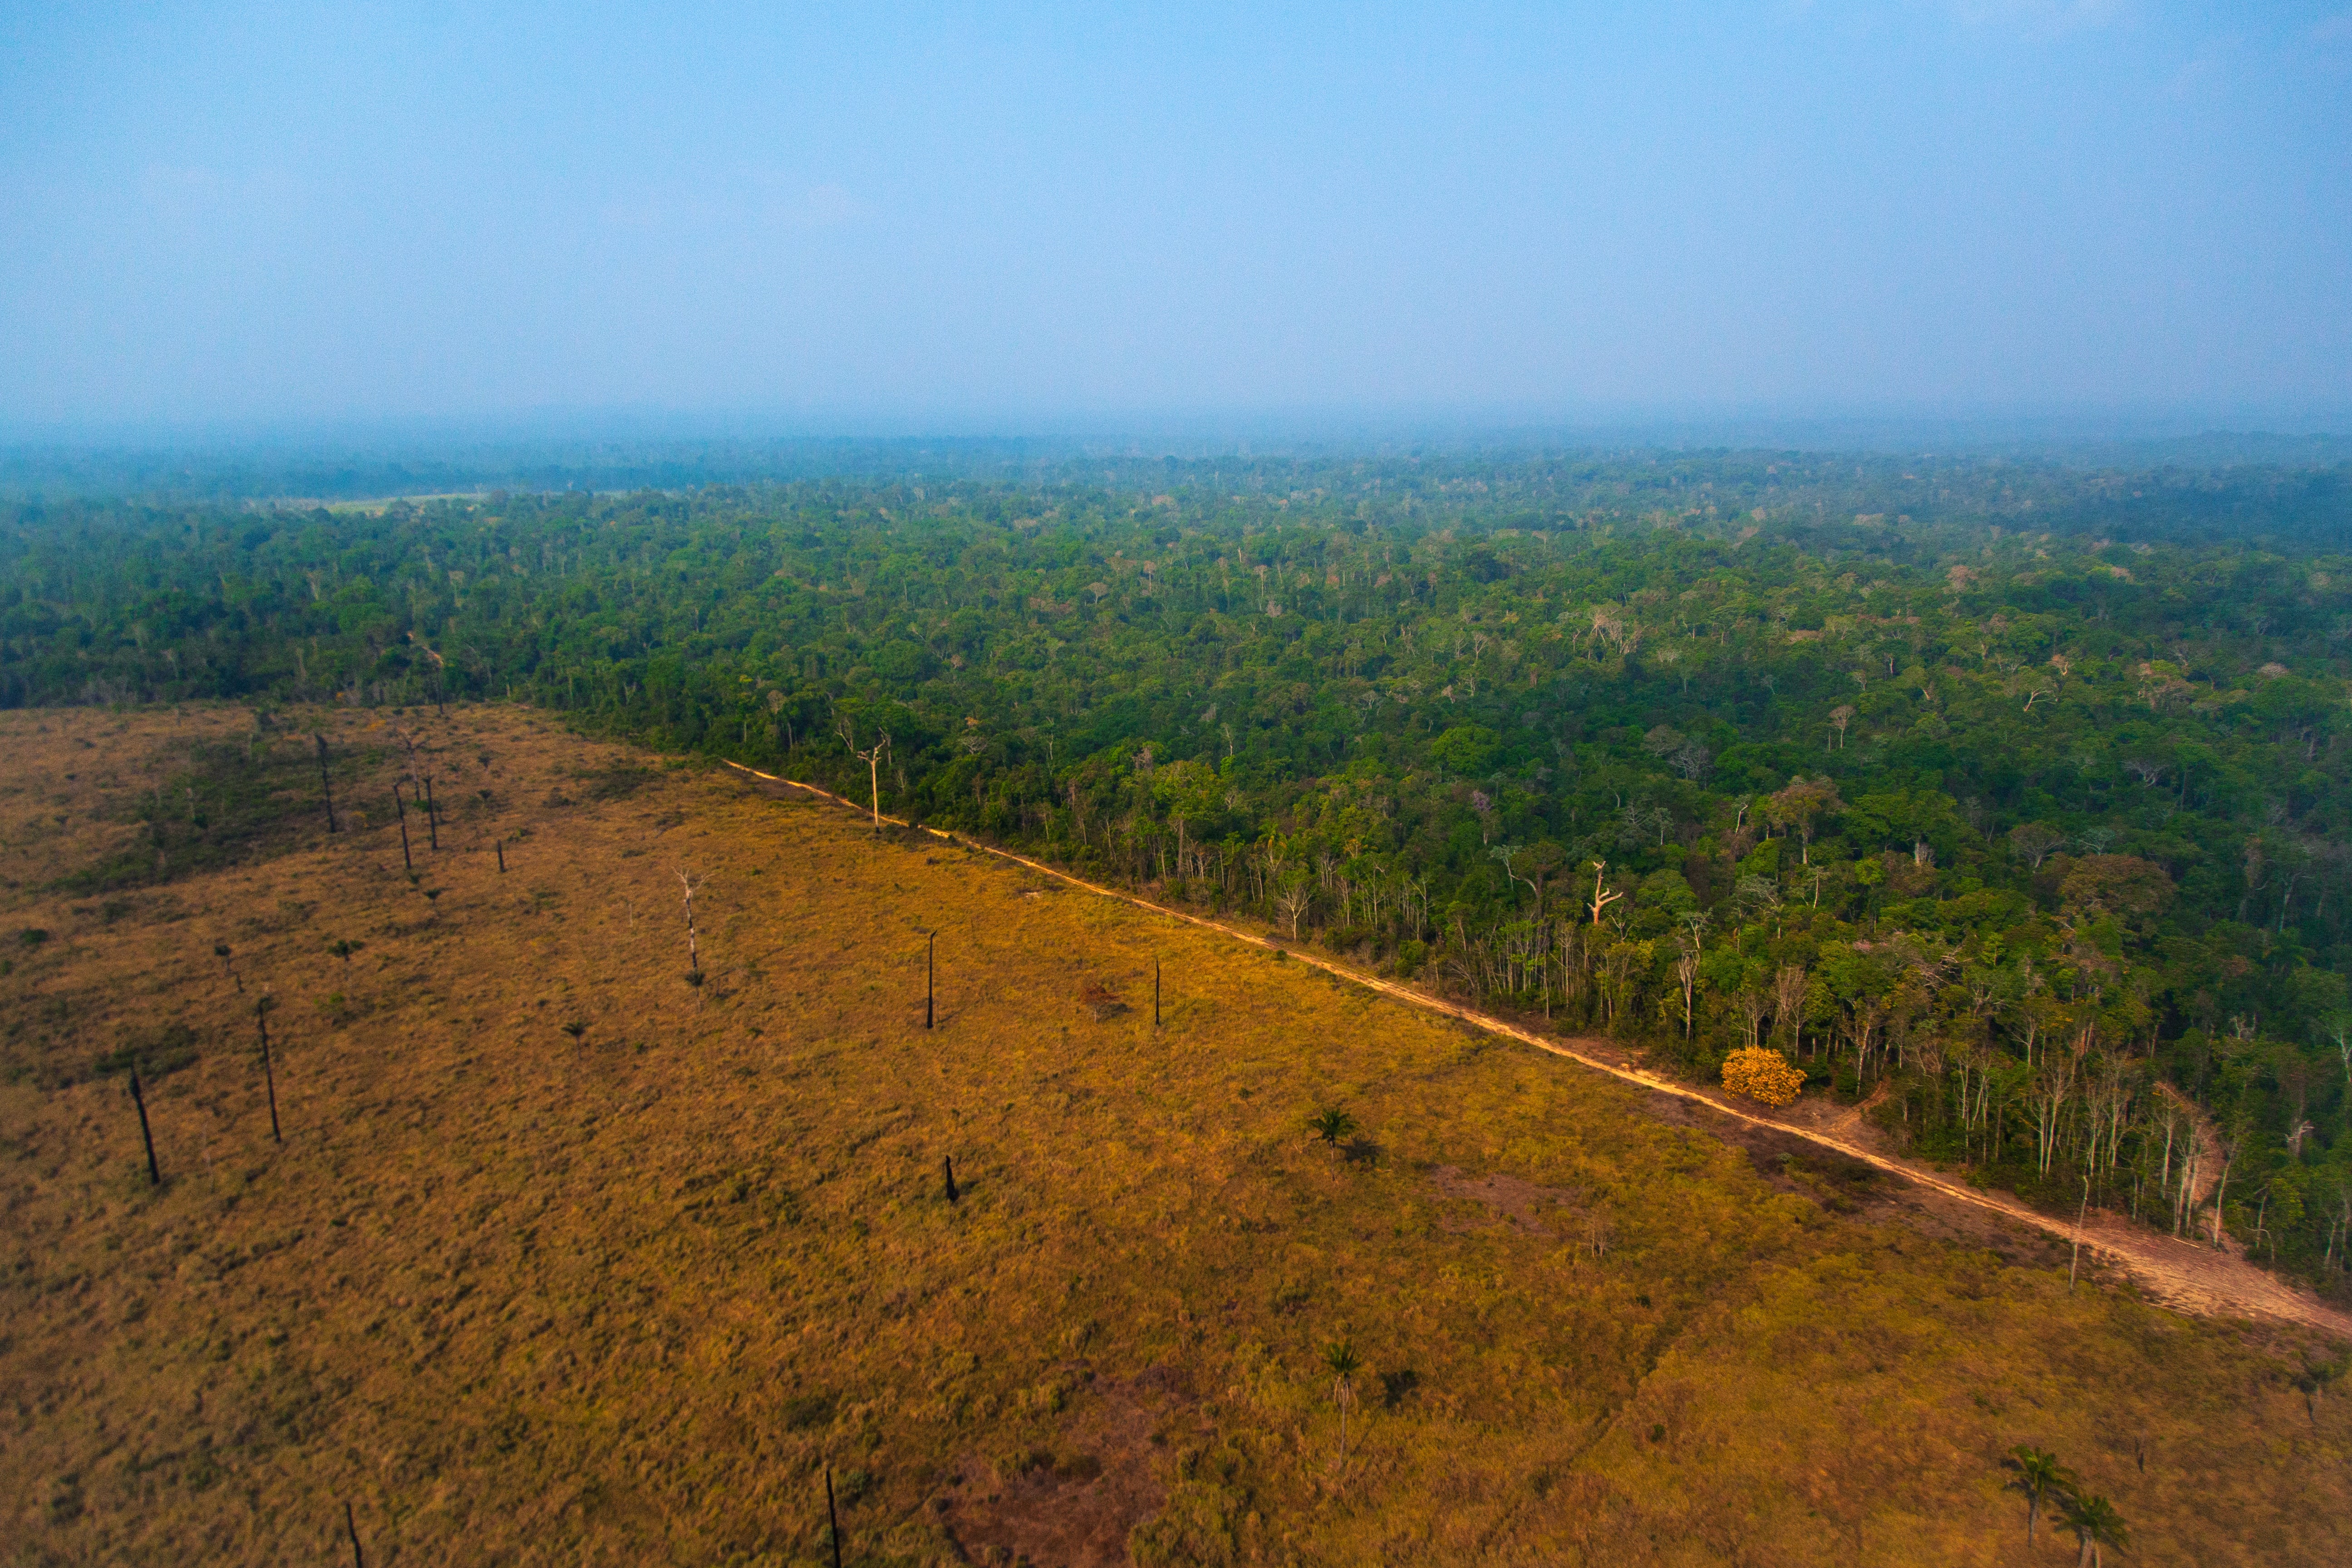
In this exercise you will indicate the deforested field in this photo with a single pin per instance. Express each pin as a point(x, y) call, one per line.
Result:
point(568, 1257)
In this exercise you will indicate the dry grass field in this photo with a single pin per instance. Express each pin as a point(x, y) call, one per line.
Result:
point(567, 1260)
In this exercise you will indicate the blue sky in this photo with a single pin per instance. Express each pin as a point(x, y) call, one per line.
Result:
point(995, 219)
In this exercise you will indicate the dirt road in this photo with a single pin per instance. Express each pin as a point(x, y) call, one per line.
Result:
point(2187, 1275)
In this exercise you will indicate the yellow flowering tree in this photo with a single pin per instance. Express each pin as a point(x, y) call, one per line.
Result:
point(1761, 1073)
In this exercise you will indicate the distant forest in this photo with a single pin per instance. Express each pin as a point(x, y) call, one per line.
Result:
point(2008, 799)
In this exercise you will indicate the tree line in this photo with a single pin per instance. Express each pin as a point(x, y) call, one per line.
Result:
point(2006, 799)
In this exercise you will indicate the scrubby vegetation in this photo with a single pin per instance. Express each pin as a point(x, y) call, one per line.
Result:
point(2009, 800)
point(516, 1291)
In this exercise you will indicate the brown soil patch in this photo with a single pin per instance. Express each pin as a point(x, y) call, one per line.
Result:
point(1518, 1203)
point(1072, 1506)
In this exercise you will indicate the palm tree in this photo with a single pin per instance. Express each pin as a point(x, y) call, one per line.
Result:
point(2096, 1523)
point(2313, 1382)
point(2039, 1475)
point(1340, 1357)
point(1331, 1124)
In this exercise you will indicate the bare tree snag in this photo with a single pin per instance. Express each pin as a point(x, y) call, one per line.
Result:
point(269, 1072)
point(154, 1176)
point(352, 1529)
point(930, 977)
point(947, 1168)
point(693, 947)
point(873, 760)
point(832, 1520)
point(326, 789)
point(1155, 993)
point(2075, 1256)
point(1601, 899)
point(432, 815)
point(1296, 897)
point(501, 847)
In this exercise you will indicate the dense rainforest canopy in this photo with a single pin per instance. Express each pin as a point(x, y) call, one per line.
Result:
point(2008, 799)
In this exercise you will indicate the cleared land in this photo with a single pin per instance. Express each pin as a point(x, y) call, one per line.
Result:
point(2187, 1272)
point(523, 1294)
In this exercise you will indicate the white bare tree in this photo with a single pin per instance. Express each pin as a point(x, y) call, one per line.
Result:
point(1296, 895)
point(1788, 1002)
point(692, 885)
point(873, 760)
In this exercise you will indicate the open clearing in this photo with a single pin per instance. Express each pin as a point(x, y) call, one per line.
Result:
point(522, 1293)
point(2180, 1271)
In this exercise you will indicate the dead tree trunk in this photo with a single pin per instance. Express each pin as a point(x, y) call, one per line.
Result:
point(873, 760)
point(693, 947)
point(832, 1520)
point(352, 1529)
point(2075, 1256)
point(270, 1073)
point(154, 1176)
point(401, 806)
point(1155, 993)
point(501, 847)
point(2230, 1148)
point(326, 788)
point(432, 815)
point(931, 988)
point(947, 1167)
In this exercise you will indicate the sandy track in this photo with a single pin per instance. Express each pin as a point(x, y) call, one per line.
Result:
point(2187, 1276)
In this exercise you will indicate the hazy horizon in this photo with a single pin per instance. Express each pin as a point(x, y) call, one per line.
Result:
point(1893, 428)
point(973, 220)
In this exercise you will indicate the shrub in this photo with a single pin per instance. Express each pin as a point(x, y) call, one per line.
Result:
point(1761, 1073)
